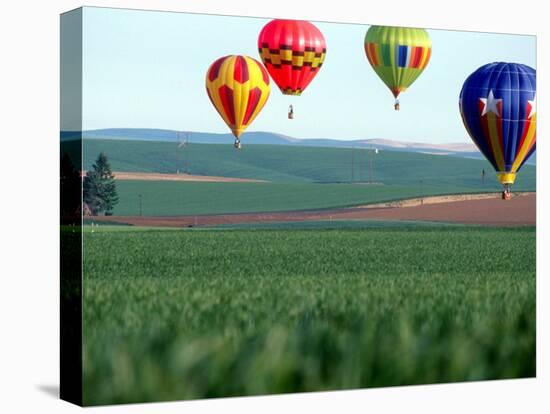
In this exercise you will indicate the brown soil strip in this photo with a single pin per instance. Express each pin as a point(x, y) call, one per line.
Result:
point(141, 176)
point(411, 202)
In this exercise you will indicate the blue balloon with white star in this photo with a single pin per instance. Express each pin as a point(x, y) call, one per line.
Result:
point(498, 108)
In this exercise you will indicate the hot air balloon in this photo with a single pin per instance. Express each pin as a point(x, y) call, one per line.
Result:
point(398, 55)
point(293, 52)
point(498, 108)
point(238, 87)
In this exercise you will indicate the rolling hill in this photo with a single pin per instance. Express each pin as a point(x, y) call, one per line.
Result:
point(300, 164)
point(269, 138)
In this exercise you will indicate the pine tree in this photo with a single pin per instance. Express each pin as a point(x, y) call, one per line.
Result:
point(100, 188)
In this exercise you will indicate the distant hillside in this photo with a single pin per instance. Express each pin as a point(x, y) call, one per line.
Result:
point(283, 163)
point(168, 135)
point(269, 138)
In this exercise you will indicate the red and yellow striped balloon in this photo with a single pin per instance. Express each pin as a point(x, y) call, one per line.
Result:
point(238, 87)
point(293, 52)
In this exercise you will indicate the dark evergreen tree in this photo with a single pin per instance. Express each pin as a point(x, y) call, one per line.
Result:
point(100, 188)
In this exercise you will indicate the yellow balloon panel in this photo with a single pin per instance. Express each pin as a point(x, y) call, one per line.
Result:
point(238, 87)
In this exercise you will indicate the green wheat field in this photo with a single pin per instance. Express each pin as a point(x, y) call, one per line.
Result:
point(186, 314)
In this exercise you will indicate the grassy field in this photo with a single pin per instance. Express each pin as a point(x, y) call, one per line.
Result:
point(169, 198)
point(300, 164)
point(212, 313)
point(334, 225)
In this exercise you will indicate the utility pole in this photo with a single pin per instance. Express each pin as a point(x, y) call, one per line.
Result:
point(352, 164)
point(370, 159)
point(361, 173)
point(177, 153)
point(183, 141)
point(186, 153)
point(370, 155)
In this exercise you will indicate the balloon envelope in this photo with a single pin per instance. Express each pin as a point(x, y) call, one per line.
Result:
point(498, 108)
point(398, 55)
point(293, 52)
point(238, 87)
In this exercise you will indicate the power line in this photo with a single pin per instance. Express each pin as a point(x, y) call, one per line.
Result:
point(183, 143)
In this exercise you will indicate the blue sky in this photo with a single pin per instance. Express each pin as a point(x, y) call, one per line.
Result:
point(146, 70)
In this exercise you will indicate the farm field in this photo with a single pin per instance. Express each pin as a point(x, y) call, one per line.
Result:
point(183, 314)
point(301, 164)
point(169, 198)
point(472, 209)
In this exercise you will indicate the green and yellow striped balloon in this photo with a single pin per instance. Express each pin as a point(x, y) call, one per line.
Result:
point(398, 55)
